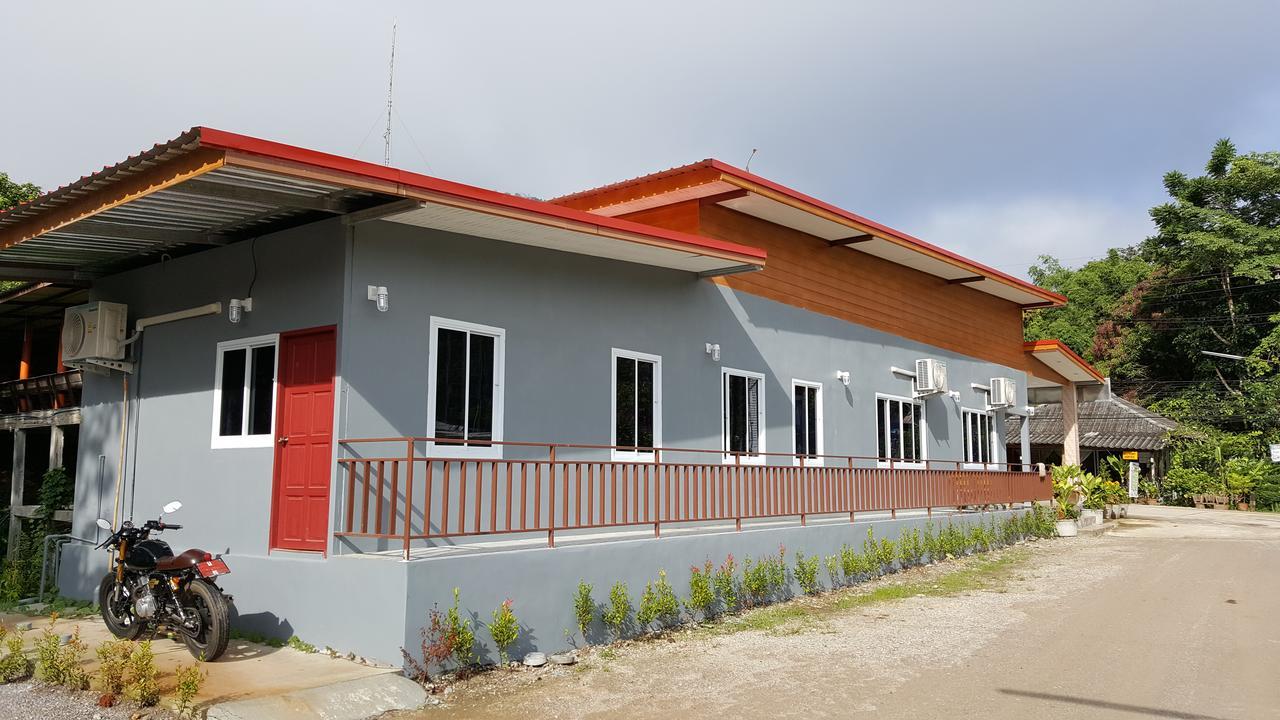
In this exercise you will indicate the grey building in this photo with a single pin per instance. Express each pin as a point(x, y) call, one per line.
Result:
point(369, 386)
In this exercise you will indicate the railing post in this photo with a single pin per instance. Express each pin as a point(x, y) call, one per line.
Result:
point(737, 474)
point(853, 489)
point(893, 481)
point(657, 481)
point(408, 501)
point(551, 504)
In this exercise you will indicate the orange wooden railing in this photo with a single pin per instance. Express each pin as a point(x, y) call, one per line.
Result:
point(412, 495)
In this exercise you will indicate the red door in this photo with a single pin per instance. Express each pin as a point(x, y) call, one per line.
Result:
point(304, 440)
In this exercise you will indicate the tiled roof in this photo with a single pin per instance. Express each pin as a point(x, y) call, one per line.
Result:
point(1111, 424)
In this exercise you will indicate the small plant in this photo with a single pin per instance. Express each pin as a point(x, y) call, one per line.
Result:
point(301, 645)
point(832, 563)
point(702, 594)
point(726, 583)
point(435, 646)
point(464, 638)
point(851, 565)
point(910, 548)
point(14, 665)
point(504, 630)
point(113, 663)
point(929, 542)
point(807, 573)
point(777, 572)
point(881, 553)
point(617, 613)
point(141, 676)
point(584, 607)
point(755, 581)
point(658, 604)
point(189, 681)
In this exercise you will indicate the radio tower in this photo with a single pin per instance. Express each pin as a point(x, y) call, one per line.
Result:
point(391, 84)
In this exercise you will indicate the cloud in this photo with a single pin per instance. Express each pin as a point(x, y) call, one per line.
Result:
point(1009, 236)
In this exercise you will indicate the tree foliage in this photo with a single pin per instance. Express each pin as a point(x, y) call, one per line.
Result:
point(1207, 280)
point(13, 193)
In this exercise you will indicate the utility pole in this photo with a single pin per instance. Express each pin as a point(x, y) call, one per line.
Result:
point(391, 84)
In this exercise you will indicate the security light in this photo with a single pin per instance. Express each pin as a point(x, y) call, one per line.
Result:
point(378, 294)
point(237, 308)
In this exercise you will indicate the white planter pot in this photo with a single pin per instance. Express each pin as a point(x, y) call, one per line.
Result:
point(1089, 518)
point(1066, 528)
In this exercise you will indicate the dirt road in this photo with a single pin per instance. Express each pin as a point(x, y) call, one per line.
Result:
point(1173, 615)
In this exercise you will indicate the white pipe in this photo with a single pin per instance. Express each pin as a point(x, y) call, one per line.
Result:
point(213, 308)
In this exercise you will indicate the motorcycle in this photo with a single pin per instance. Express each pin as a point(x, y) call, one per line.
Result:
point(150, 587)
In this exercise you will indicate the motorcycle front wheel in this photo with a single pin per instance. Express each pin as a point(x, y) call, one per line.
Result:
point(117, 613)
point(215, 622)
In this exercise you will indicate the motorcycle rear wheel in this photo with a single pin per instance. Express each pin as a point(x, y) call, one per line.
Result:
point(215, 621)
point(120, 622)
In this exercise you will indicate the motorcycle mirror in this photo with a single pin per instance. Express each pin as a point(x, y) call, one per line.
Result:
point(104, 524)
point(173, 507)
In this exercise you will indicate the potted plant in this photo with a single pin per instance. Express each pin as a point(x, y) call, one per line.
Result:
point(1064, 495)
point(1092, 499)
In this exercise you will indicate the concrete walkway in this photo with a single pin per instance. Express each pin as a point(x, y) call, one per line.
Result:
point(1172, 614)
point(258, 681)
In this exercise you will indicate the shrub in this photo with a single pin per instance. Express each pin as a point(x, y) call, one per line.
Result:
point(436, 646)
point(462, 635)
point(658, 604)
point(726, 583)
point(807, 573)
point(880, 553)
point(504, 629)
point(301, 645)
point(832, 563)
point(189, 681)
point(910, 548)
point(14, 665)
point(616, 615)
point(851, 564)
point(113, 663)
point(584, 607)
point(702, 595)
point(141, 678)
point(48, 649)
point(929, 544)
point(777, 572)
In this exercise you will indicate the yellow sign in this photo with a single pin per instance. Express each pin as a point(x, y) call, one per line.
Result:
point(1130, 455)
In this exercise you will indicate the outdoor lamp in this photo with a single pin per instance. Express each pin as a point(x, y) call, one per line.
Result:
point(843, 377)
point(713, 349)
point(378, 294)
point(237, 308)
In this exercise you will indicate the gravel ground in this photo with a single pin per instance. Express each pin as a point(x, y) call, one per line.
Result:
point(761, 673)
point(29, 701)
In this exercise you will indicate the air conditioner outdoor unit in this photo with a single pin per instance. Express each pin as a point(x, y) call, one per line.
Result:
point(1003, 393)
point(94, 331)
point(931, 377)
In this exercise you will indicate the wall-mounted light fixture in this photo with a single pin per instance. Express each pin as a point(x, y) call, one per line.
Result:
point(378, 294)
point(843, 377)
point(237, 308)
point(713, 349)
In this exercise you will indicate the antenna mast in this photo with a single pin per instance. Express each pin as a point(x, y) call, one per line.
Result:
point(391, 84)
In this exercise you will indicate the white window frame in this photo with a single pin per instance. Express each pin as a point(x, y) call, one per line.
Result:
point(729, 458)
point(798, 460)
point(923, 431)
point(500, 363)
point(991, 439)
point(244, 440)
point(634, 455)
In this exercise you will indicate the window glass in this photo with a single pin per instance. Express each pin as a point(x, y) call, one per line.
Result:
point(625, 407)
point(261, 389)
point(805, 399)
point(480, 388)
point(451, 390)
point(899, 430)
point(742, 414)
point(231, 413)
point(978, 427)
point(644, 404)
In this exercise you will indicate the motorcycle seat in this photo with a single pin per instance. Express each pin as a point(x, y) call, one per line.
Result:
point(183, 561)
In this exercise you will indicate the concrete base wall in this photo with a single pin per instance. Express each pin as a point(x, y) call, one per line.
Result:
point(376, 605)
point(541, 582)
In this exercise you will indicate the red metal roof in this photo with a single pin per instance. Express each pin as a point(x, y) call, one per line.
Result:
point(903, 237)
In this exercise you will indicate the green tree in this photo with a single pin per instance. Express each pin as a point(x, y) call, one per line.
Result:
point(12, 193)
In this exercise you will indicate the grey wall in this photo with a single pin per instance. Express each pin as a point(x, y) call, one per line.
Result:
point(563, 314)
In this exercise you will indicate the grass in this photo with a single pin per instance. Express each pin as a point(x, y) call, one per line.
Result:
point(988, 572)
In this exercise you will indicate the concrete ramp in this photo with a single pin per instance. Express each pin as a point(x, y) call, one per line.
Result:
point(350, 700)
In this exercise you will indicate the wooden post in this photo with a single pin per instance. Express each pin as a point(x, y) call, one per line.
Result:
point(24, 365)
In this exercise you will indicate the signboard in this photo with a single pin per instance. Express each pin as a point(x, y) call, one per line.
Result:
point(1133, 478)
point(1275, 453)
point(1132, 455)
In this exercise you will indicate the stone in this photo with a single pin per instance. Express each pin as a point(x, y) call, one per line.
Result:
point(23, 626)
point(563, 658)
point(35, 609)
point(535, 659)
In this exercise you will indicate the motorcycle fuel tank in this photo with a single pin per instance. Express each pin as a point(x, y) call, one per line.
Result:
point(144, 555)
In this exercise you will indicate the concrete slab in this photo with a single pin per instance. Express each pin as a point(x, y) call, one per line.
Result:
point(350, 700)
point(249, 671)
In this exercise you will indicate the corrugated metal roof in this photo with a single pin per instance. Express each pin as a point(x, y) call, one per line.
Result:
point(1105, 424)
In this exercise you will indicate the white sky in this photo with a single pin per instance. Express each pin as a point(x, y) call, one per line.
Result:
point(998, 130)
